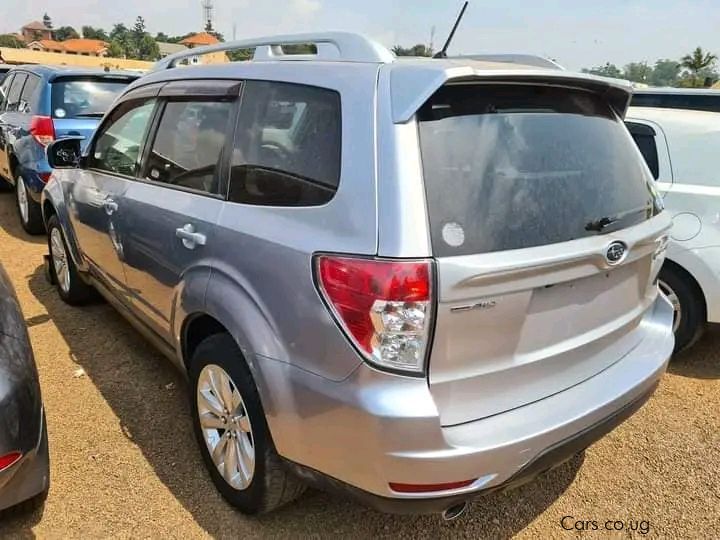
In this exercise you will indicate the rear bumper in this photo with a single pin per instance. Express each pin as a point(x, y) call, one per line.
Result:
point(30, 477)
point(545, 461)
point(374, 428)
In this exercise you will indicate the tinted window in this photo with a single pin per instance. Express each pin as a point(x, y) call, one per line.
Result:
point(509, 167)
point(5, 90)
point(644, 137)
point(189, 141)
point(117, 148)
point(29, 91)
point(16, 91)
point(287, 148)
point(698, 102)
point(78, 98)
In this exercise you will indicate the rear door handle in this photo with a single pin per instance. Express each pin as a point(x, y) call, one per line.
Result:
point(110, 206)
point(189, 237)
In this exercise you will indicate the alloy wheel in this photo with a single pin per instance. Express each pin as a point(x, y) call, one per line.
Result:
point(22, 199)
point(225, 426)
point(60, 259)
point(672, 296)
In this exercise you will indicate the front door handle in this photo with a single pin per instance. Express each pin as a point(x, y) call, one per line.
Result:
point(189, 237)
point(110, 206)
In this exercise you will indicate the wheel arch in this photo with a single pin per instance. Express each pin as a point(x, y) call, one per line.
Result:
point(682, 270)
point(52, 204)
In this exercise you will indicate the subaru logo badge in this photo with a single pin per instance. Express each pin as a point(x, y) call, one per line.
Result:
point(615, 253)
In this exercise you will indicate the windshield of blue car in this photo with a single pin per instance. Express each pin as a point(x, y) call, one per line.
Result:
point(85, 97)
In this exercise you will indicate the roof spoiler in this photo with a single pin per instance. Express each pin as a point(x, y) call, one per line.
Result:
point(523, 59)
point(411, 88)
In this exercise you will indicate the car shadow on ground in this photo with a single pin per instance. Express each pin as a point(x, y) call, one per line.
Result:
point(138, 384)
point(21, 522)
point(700, 360)
point(10, 220)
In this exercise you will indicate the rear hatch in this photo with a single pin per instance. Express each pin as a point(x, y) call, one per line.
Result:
point(78, 103)
point(528, 186)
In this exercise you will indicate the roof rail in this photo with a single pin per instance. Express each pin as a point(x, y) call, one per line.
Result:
point(339, 46)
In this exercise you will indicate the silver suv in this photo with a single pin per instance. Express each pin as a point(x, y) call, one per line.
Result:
point(409, 280)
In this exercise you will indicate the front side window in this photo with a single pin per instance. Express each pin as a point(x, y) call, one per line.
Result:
point(510, 167)
point(13, 100)
point(117, 148)
point(188, 144)
point(287, 147)
point(5, 90)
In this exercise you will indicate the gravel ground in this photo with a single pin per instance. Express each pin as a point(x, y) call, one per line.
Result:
point(125, 464)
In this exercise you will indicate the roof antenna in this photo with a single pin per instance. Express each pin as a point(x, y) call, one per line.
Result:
point(443, 52)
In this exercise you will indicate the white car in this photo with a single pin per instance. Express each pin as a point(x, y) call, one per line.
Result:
point(682, 149)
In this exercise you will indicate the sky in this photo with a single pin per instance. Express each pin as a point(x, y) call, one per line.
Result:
point(575, 33)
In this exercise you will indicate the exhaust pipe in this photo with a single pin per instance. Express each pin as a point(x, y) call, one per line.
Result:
point(454, 511)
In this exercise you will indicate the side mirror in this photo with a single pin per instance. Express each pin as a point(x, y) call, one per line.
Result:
point(64, 153)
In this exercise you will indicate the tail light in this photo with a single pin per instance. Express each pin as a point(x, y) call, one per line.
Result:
point(384, 307)
point(45, 176)
point(8, 460)
point(42, 129)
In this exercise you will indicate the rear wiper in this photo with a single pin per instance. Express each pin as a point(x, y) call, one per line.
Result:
point(603, 223)
point(90, 115)
point(599, 225)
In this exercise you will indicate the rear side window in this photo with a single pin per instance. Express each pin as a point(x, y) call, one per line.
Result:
point(85, 97)
point(28, 92)
point(510, 167)
point(188, 145)
point(15, 92)
point(644, 137)
point(287, 145)
point(117, 148)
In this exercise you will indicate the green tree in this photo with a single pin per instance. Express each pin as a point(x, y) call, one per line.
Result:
point(666, 72)
point(639, 72)
point(119, 31)
point(47, 21)
point(65, 32)
point(698, 65)
point(147, 48)
point(162, 36)
point(417, 50)
point(115, 49)
point(94, 33)
point(11, 41)
point(608, 70)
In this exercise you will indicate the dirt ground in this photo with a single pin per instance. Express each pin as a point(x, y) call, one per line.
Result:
point(125, 464)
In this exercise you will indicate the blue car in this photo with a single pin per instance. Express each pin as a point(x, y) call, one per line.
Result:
point(39, 104)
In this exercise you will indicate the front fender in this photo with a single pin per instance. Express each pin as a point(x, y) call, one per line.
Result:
point(53, 195)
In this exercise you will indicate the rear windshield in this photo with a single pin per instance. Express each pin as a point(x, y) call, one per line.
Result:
point(86, 97)
point(510, 167)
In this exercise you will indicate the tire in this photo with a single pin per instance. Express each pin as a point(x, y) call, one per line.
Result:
point(689, 304)
point(269, 485)
point(25, 507)
point(29, 211)
point(63, 272)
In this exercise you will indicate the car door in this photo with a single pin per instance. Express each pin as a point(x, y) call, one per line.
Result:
point(171, 211)
point(109, 170)
point(5, 127)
